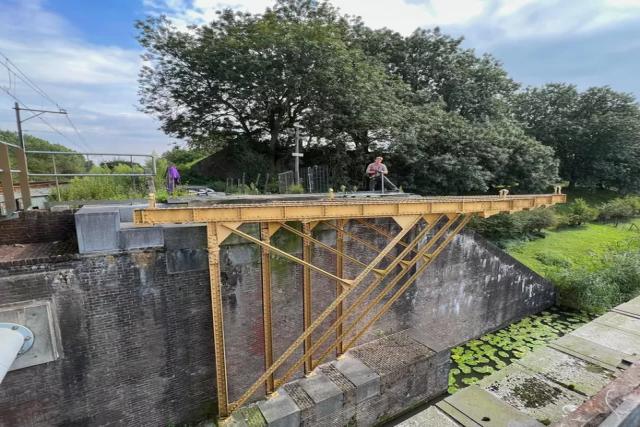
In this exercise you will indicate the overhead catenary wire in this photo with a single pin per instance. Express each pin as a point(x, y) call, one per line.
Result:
point(18, 73)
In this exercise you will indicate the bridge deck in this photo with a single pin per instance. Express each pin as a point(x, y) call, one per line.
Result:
point(346, 208)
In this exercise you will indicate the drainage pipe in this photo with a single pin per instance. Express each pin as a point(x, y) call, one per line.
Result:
point(14, 341)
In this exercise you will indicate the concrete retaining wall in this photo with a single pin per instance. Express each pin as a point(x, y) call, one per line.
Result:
point(136, 324)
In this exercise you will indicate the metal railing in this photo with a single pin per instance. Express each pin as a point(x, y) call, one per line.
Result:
point(22, 159)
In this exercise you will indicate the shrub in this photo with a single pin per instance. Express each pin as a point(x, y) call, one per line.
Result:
point(552, 260)
point(296, 189)
point(106, 187)
point(617, 280)
point(534, 221)
point(577, 213)
point(617, 210)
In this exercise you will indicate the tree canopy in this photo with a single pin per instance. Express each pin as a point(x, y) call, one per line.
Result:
point(448, 120)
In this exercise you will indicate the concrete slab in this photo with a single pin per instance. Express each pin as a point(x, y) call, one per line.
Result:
point(455, 414)
point(97, 229)
point(136, 237)
point(632, 307)
point(621, 321)
point(486, 410)
point(432, 417)
point(531, 393)
point(249, 416)
point(280, 410)
point(610, 337)
point(572, 372)
point(326, 396)
point(366, 381)
point(590, 351)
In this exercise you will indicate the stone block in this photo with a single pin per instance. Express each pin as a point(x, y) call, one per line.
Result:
point(280, 410)
point(97, 229)
point(432, 417)
point(137, 237)
point(530, 393)
point(326, 396)
point(590, 351)
point(485, 409)
point(610, 337)
point(126, 211)
point(366, 381)
point(185, 236)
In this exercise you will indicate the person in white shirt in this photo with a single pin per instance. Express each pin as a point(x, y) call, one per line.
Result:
point(377, 172)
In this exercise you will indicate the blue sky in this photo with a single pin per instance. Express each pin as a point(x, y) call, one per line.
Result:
point(84, 53)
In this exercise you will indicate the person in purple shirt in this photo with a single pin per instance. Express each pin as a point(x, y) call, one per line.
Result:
point(173, 178)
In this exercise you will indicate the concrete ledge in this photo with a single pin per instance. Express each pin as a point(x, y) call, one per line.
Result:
point(280, 410)
point(366, 381)
point(132, 237)
point(97, 229)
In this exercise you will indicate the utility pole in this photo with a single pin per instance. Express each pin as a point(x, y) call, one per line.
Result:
point(297, 154)
point(25, 192)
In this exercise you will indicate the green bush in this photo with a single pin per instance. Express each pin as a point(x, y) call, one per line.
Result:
point(106, 187)
point(536, 220)
point(552, 260)
point(617, 210)
point(615, 282)
point(577, 213)
point(296, 189)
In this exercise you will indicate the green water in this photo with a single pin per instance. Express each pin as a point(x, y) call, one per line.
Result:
point(479, 358)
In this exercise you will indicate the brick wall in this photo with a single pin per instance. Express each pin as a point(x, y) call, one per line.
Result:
point(136, 344)
point(38, 226)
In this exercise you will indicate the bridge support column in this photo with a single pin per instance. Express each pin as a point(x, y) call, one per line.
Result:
point(265, 236)
point(341, 223)
point(213, 243)
point(306, 296)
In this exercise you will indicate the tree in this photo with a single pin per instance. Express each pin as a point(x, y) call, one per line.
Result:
point(445, 154)
point(596, 133)
point(42, 163)
point(249, 76)
point(437, 68)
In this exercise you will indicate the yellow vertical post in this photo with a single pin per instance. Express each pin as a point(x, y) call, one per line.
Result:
point(306, 296)
point(340, 273)
point(6, 181)
point(25, 191)
point(265, 236)
point(213, 246)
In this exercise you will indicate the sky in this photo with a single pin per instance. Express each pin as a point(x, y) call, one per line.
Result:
point(84, 56)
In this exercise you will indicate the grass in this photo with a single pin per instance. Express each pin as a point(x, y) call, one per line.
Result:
point(581, 246)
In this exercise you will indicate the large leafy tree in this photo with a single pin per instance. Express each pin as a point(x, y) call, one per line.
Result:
point(438, 69)
point(442, 153)
point(253, 77)
point(596, 133)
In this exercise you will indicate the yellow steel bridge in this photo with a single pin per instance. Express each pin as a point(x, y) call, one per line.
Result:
point(426, 227)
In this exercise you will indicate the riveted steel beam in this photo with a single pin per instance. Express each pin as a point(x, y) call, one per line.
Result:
point(346, 209)
point(265, 236)
point(306, 295)
point(218, 326)
point(340, 273)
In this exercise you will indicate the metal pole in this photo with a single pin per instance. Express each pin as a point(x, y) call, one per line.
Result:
point(55, 171)
point(297, 157)
point(21, 155)
point(267, 323)
point(6, 181)
point(306, 297)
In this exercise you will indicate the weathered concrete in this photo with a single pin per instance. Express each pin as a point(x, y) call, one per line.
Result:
point(371, 382)
point(140, 237)
point(585, 378)
point(97, 229)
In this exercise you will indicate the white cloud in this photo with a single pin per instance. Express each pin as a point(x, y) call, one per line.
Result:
point(502, 19)
point(96, 83)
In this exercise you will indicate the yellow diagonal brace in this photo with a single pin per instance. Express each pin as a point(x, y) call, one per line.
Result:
point(357, 304)
point(409, 282)
point(288, 256)
point(360, 299)
point(378, 230)
point(322, 245)
point(318, 320)
point(356, 238)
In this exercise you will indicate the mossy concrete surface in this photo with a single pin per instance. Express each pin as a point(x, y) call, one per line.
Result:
point(546, 386)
